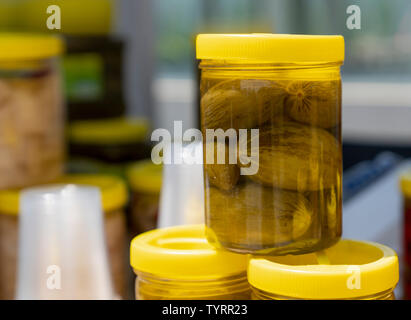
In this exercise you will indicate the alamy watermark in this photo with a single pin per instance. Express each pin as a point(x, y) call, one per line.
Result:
point(354, 278)
point(243, 147)
point(354, 19)
point(54, 19)
point(54, 278)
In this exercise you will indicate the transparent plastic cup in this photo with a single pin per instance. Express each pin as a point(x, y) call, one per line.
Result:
point(62, 251)
point(182, 193)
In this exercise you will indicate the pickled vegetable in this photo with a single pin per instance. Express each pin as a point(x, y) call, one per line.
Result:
point(259, 217)
point(292, 204)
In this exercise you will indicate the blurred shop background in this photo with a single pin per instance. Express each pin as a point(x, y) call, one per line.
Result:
point(130, 68)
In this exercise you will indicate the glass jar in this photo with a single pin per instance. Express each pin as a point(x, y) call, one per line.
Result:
point(178, 263)
point(107, 146)
point(145, 180)
point(31, 110)
point(114, 198)
point(271, 123)
point(353, 270)
point(93, 64)
point(405, 184)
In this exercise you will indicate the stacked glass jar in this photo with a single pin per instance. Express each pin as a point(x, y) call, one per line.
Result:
point(271, 123)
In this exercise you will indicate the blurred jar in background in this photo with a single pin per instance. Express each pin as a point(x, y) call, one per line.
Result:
point(31, 110)
point(114, 199)
point(145, 180)
point(107, 145)
point(94, 60)
point(405, 182)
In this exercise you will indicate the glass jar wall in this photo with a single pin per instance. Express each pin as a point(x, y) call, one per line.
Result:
point(271, 123)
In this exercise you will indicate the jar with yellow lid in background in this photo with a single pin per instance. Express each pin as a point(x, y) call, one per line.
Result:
point(114, 199)
point(178, 263)
point(107, 146)
point(405, 184)
point(355, 270)
point(93, 64)
point(145, 180)
point(273, 170)
point(31, 110)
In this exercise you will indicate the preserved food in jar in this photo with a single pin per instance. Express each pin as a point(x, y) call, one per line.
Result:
point(31, 110)
point(271, 109)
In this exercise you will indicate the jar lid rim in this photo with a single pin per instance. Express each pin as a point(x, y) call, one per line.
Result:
point(27, 46)
point(183, 253)
point(268, 47)
point(109, 131)
point(355, 269)
point(145, 176)
point(113, 192)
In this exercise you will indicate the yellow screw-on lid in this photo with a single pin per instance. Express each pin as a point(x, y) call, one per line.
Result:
point(183, 253)
point(113, 192)
point(21, 46)
point(267, 47)
point(118, 130)
point(78, 17)
point(405, 184)
point(356, 269)
point(145, 176)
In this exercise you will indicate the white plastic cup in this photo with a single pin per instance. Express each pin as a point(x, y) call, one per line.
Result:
point(62, 252)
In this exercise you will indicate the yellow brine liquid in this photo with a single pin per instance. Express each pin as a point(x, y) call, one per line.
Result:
point(149, 287)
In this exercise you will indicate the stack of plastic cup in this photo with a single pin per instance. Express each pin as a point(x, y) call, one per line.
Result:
point(62, 252)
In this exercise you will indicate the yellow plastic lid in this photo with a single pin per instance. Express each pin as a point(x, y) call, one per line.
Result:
point(21, 46)
point(405, 184)
point(78, 17)
point(113, 192)
point(267, 47)
point(113, 131)
point(145, 176)
point(183, 253)
point(356, 269)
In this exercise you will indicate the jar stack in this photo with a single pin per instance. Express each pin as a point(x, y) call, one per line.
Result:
point(31, 127)
point(32, 148)
point(271, 123)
